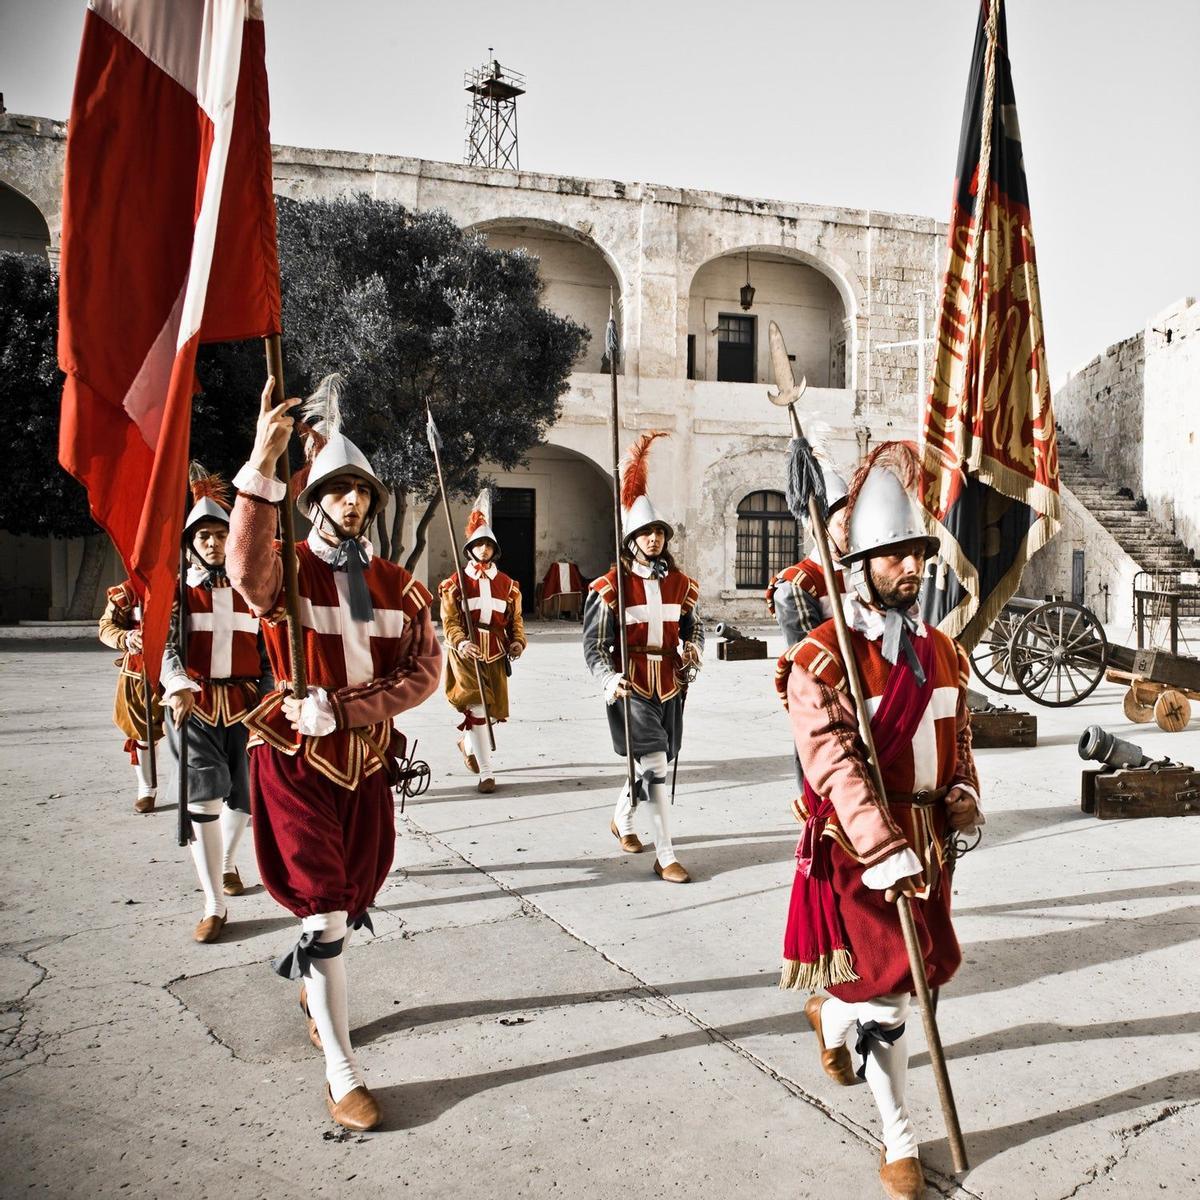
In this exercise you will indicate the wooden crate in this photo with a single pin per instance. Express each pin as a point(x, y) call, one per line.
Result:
point(740, 649)
point(1002, 728)
point(1141, 792)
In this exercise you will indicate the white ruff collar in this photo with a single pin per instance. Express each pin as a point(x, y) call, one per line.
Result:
point(479, 571)
point(327, 552)
point(641, 569)
point(869, 621)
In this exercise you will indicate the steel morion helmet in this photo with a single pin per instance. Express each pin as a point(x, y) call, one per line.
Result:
point(637, 513)
point(479, 523)
point(210, 496)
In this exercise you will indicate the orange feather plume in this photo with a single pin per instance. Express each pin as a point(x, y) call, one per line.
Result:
point(205, 484)
point(475, 521)
point(635, 472)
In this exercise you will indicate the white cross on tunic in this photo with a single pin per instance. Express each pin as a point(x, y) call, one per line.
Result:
point(654, 613)
point(942, 704)
point(223, 622)
point(564, 578)
point(485, 604)
point(356, 635)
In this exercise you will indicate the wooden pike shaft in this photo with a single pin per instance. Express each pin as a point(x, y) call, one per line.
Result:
point(183, 825)
point(622, 635)
point(468, 620)
point(291, 586)
point(916, 961)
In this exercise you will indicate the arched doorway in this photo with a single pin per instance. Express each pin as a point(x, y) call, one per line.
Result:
point(578, 277)
point(22, 226)
point(556, 508)
point(727, 342)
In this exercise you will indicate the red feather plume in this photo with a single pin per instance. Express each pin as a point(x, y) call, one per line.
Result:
point(475, 521)
point(634, 476)
point(205, 484)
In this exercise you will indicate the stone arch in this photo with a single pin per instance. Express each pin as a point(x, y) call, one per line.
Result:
point(572, 512)
point(576, 270)
point(814, 303)
point(23, 226)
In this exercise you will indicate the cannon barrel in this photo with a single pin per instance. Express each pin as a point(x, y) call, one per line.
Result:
point(1100, 745)
point(724, 629)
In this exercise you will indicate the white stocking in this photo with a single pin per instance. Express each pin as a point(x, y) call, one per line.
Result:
point(653, 768)
point(887, 1065)
point(481, 747)
point(329, 1005)
point(206, 853)
point(141, 770)
point(233, 825)
point(623, 814)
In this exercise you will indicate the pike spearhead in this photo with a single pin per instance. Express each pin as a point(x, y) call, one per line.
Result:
point(788, 391)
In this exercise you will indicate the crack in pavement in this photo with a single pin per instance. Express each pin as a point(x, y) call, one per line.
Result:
point(1127, 1137)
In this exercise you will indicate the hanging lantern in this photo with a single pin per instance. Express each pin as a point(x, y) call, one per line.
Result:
point(747, 292)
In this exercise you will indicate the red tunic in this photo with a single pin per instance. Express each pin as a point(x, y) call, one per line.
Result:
point(222, 653)
point(653, 611)
point(353, 661)
point(492, 603)
point(562, 579)
point(864, 829)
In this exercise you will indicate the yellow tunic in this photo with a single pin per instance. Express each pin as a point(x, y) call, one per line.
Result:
point(462, 688)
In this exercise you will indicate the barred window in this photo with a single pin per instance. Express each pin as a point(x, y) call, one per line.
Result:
point(768, 538)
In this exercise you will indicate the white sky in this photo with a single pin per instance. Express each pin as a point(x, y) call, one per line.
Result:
point(851, 102)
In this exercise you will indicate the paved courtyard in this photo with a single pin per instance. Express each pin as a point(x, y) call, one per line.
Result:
point(538, 1014)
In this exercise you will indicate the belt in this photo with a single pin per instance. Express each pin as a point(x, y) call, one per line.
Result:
point(926, 798)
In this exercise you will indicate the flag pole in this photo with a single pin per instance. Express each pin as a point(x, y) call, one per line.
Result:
point(787, 395)
point(613, 349)
point(184, 823)
point(273, 345)
point(435, 442)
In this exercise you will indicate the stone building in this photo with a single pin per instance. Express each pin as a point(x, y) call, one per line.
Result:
point(841, 283)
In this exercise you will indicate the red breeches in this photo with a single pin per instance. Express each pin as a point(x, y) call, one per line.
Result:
point(320, 847)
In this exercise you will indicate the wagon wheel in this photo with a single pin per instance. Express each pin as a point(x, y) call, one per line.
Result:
point(1136, 710)
point(990, 658)
point(1172, 711)
point(1058, 653)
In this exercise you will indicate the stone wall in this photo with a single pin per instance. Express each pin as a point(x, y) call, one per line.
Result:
point(1171, 454)
point(1100, 406)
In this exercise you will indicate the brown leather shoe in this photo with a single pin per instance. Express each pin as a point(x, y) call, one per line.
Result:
point(357, 1109)
point(231, 883)
point(487, 786)
point(314, 1035)
point(902, 1179)
point(144, 804)
point(209, 929)
point(468, 757)
point(629, 841)
point(674, 873)
point(836, 1063)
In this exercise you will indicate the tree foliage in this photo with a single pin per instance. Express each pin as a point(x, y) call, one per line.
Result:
point(409, 307)
point(37, 496)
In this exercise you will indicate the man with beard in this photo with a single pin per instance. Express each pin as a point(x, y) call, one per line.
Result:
point(861, 850)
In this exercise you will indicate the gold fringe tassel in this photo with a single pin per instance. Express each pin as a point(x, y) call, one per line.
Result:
point(829, 969)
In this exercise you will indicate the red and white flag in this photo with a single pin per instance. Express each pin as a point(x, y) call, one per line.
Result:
point(168, 240)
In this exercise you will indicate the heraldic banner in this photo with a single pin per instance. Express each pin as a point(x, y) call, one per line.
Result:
point(990, 451)
point(168, 241)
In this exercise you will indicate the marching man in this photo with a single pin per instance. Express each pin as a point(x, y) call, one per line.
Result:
point(498, 630)
point(860, 849)
point(121, 629)
point(324, 823)
point(666, 643)
point(798, 597)
point(210, 682)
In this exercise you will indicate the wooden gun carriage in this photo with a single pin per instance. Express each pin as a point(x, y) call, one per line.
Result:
point(1055, 653)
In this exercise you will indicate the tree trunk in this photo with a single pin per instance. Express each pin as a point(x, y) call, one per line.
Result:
point(419, 537)
point(385, 546)
point(397, 538)
point(87, 583)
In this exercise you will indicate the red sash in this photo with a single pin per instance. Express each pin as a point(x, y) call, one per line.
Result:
point(814, 943)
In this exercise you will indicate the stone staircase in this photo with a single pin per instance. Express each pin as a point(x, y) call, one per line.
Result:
point(1148, 543)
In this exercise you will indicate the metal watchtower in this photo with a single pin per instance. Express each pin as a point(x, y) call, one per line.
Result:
point(492, 122)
